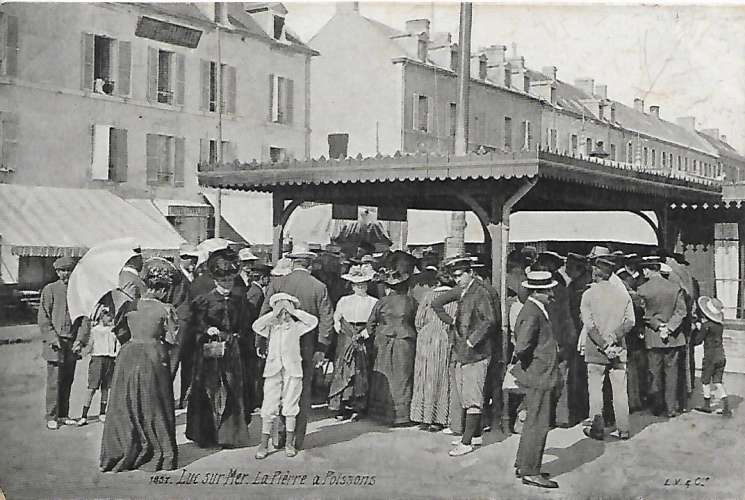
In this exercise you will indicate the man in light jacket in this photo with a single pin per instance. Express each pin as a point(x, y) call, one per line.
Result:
point(607, 316)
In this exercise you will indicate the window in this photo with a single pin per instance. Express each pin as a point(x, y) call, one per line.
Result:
point(106, 65)
point(279, 26)
point(452, 118)
point(574, 143)
point(482, 69)
point(527, 136)
point(507, 133)
point(664, 159)
point(219, 88)
point(166, 77)
point(526, 83)
point(686, 164)
point(277, 155)
point(588, 146)
point(213, 152)
point(630, 152)
point(8, 45)
point(645, 158)
point(507, 77)
point(552, 143)
point(165, 160)
point(454, 59)
point(420, 120)
point(695, 166)
point(8, 140)
point(109, 159)
point(680, 167)
point(613, 152)
point(281, 99)
point(601, 110)
point(654, 158)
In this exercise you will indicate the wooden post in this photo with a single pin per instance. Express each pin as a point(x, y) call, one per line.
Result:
point(278, 205)
point(741, 277)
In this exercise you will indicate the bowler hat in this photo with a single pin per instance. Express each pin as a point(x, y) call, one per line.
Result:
point(576, 259)
point(712, 308)
point(538, 280)
point(64, 264)
point(394, 277)
point(550, 259)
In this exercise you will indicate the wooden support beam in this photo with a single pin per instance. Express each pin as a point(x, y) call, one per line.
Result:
point(280, 215)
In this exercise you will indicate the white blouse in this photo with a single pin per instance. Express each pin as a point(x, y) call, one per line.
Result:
point(354, 309)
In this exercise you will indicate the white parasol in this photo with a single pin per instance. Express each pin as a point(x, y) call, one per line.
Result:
point(96, 274)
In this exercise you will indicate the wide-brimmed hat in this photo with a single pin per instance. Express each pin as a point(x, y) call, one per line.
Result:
point(598, 251)
point(358, 274)
point(650, 262)
point(394, 277)
point(283, 267)
point(309, 322)
point(223, 264)
point(551, 259)
point(460, 263)
point(577, 259)
point(301, 251)
point(604, 265)
point(188, 250)
point(64, 264)
point(209, 246)
point(261, 268)
point(538, 280)
point(712, 308)
point(246, 255)
point(283, 296)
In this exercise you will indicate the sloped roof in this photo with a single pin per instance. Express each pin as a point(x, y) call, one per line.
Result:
point(244, 21)
point(722, 147)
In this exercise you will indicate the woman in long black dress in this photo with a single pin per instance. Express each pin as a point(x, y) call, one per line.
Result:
point(140, 431)
point(391, 324)
point(218, 412)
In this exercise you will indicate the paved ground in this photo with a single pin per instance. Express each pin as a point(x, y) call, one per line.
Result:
point(694, 456)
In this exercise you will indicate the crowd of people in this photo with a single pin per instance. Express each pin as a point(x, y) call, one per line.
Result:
point(412, 341)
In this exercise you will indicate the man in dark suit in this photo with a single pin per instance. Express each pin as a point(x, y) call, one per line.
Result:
point(314, 299)
point(183, 352)
point(536, 369)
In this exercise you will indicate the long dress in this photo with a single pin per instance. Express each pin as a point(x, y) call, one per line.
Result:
point(217, 411)
point(431, 395)
point(140, 431)
point(350, 384)
point(391, 324)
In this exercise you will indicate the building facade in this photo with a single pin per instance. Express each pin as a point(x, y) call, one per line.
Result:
point(132, 97)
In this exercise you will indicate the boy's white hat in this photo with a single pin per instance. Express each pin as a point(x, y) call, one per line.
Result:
point(309, 322)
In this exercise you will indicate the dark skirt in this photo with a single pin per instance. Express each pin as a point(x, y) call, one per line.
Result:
point(349, 386)
point(140, 428)
point(392, 380)
point(216, 414)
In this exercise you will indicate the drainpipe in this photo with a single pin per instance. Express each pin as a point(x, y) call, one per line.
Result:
point(218, 204)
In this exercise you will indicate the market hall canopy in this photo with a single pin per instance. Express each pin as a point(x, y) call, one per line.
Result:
point(49, 222)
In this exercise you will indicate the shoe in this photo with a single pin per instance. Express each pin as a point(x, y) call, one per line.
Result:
point(69, 421)
point(475, 441)
point(261, 453)
point(102, 417)
point(52, 425)
point(448, 431)
point(726, 412)
point(545, 475)
point(290, 451)
point(540, 481)
point(672, 414)
point(435, 428)
point(354, 417)
point(423, 427)
point(461, 449)
point(622, 435)
point(81, 422)
point(593, 433)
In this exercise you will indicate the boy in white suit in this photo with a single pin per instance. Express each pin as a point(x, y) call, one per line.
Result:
point(278, 340)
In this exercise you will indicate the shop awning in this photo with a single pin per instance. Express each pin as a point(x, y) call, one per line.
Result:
point(48, 222)
point(249, 214)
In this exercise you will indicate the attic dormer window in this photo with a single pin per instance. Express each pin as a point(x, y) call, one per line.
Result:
point(279, 26)
point(421, 49)
point(482, 69)
point(454, 60)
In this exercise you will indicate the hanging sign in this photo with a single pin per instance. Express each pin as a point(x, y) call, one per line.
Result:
point(162, 31)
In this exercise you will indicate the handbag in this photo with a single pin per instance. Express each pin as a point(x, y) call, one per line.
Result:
point(214, 349)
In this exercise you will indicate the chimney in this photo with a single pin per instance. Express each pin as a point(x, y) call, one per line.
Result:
point(496, 54)
point(347, 8)
point(550, 72)
point(417, 26)
point(687, 122)
point(723, 138)
point(478, 66)
point(501, 74)
point(586, 85)
point(613, 112)
point(601, 91)
point(545, 89)
point(221, 13)
point(639, 105)
point(711, 132)
point(519, 78)
point(655, 111)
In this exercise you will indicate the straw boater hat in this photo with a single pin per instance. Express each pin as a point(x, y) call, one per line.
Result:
point(64, 264)
point(539, 280)
point(604, 265)
point(282, 268)
point(712, 308)
point(308, 321)
point(358, 274)
point(301, 251)
point(246, 255)
point(598, 251)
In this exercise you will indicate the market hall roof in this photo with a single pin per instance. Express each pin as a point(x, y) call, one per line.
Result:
point(472, 172)
point(49, 221)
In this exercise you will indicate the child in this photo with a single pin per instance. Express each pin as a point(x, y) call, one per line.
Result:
point(281, 329)
point(103, 348)
point(710, 333)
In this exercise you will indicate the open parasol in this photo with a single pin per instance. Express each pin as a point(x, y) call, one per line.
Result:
point(96, 274)
point(209, 246)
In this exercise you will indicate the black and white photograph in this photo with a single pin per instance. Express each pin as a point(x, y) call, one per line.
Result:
point(372, 250)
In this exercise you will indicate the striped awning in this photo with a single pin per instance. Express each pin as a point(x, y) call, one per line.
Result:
point(50, 222)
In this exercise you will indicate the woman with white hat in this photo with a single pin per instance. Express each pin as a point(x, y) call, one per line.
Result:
point(348, 391)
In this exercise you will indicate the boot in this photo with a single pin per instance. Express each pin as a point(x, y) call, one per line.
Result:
point(706, 407)
point(596, 430)
point(263, 450)
point(726, 412)
point(290, 450)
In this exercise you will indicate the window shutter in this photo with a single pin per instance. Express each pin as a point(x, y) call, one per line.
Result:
point(152, 74)
point(87, 75)
point(290, 98)
point(266, 156)
point(178, 167)
point(180, 79)
point(151, 146)
point(204, 151)
point(415, 112)
point(204, 102)
point(10, 140)
point(119, 154)
point(430, 117)
point(11, 46)
point(100, 164)
point(232, 87)
point(271, 98)
point(123, 84)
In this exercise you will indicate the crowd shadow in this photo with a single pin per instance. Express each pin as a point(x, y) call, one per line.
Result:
point(188, 453)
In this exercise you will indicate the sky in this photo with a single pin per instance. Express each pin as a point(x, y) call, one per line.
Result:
point(689, 60)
